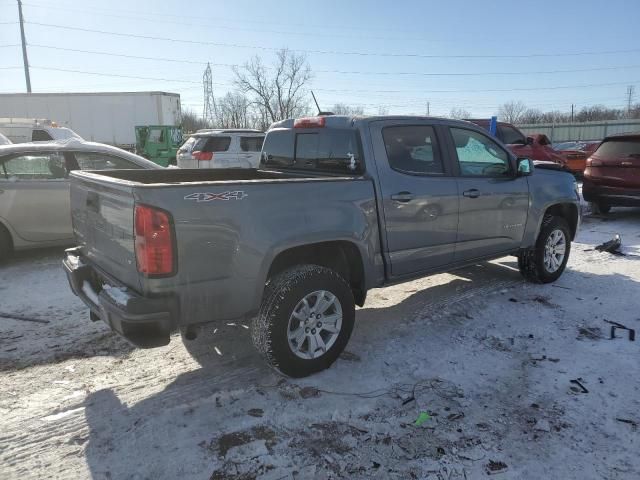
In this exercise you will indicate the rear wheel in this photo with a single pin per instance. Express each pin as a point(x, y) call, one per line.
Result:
point(600, 208)
point(547, 260)
point(305, 320)
point(6, 243)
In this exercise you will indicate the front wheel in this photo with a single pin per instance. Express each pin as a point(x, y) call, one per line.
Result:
point(548, 259)
point(305, 320)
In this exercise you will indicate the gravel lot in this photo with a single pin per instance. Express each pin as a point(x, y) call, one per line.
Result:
point(516, 379)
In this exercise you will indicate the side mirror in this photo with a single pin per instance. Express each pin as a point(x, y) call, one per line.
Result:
point(529, 140)
point(524, 166)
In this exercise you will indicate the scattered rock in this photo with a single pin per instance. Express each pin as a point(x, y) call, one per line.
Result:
point(256, 412)
point(309, 392)
point(494, 467)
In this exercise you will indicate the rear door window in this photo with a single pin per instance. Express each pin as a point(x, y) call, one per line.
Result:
point(413, 149)
point(510, 135)
point(213, 144)
point(251, 144)
point(40, 136)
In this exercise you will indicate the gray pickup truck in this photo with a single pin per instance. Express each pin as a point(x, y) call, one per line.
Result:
point(340, 205)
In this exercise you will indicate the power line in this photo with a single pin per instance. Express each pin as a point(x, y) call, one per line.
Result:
point(427, 74)
point(329, 52)
point(102, 74)
point(356, 90)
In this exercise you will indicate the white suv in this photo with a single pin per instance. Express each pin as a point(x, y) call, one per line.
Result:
point(230, 148)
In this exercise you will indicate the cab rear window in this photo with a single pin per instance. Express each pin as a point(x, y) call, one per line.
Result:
point(322, 150)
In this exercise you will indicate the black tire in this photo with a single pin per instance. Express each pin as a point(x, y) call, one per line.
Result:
point(531, 262)
point(600, 208)
point(282, 294)
point(6, 243)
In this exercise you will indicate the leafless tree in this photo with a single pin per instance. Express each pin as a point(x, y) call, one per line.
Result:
point(459, 113)
point(233, 111)
point(512, 112)
point(382, 110)
point(192, 122)
point(278, 91)
point(344, 109)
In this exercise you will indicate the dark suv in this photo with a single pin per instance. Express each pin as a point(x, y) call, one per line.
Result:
point(612, 175)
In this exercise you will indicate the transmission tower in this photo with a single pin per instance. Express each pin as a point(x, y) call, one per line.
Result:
point(209, 112)
point(631, 90)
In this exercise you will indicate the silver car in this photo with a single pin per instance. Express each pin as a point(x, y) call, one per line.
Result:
point(34, 188)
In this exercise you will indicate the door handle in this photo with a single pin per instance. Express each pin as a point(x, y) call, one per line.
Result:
point(402, 197)
point(473, 193)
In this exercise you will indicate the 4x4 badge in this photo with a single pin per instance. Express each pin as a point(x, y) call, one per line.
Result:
point(209, 197)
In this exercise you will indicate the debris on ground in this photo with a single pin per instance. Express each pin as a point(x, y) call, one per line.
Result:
point(494, 467)
point(580, 388)
point(616, 325)
point(589, 333)
point(423, 417)
point(611, 246)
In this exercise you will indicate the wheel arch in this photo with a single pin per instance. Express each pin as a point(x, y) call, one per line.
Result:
point(568, 211)
point(341, 256)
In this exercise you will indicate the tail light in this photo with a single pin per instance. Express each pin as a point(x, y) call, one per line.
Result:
point(153, 241)
point(309, 122)
point(592, 162)
point(199, 155)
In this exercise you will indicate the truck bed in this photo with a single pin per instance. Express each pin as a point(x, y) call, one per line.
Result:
point(173, 176)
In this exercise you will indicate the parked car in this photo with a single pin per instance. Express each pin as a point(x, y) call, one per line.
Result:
point(4, 140)
point(342, 205)
point(535, 146)
point(22, 130)
point(34, 188)
point(231, 148)
point(576, 154)
point(612, 175)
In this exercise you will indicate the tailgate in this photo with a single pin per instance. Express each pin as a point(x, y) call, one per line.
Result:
point(102, 214)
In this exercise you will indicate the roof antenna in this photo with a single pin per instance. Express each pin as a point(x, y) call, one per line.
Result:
point(320, 112)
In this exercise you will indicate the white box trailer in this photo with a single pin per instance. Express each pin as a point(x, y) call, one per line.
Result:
point(105, 117)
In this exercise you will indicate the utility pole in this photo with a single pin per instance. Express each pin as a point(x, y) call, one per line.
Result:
point(630, 92)
point(209, 112)
point(25, 60)
point(572, 113)
point(428, 108)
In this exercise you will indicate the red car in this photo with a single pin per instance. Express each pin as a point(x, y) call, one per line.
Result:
point(576, 154)
point(612, 175)
point(536, 146)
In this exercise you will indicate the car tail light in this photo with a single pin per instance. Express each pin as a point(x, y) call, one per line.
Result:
point(153, 241)
point(309, 122)
point(592, 162)
point(199, 155)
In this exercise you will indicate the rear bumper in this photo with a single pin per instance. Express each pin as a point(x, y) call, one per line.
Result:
point(145, 322)
point(616, 196)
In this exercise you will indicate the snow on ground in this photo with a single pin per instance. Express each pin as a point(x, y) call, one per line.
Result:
point(518, 379)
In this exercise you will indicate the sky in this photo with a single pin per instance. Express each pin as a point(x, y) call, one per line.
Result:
point(405, 56)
